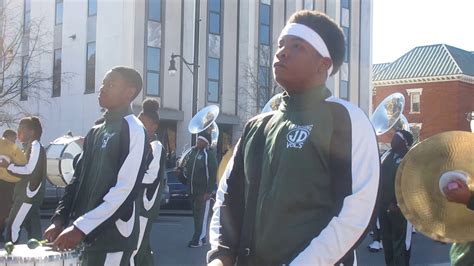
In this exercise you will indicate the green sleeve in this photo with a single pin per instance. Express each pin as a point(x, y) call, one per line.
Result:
point(188, 165)
point(212, 164)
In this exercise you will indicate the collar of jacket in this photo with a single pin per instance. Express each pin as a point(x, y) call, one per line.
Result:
point(306, 100)
point(113, 116)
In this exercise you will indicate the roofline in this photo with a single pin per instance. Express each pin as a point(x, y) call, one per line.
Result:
point(452, 57)
point(418, 80)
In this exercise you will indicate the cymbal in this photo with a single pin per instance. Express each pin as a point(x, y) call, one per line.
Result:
point(13, 154)
point(417, 186)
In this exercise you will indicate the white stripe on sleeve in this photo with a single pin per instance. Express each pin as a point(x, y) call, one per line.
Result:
point(151, 173)
point(32, 161)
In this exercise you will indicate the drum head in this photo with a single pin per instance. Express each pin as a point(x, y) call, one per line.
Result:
point(60, 156)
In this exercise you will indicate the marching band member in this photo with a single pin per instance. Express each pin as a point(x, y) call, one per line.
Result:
point(28, 193)
point(396, 231)
point(200, 171)
point(302, 184)
point(100, 201)
point(150, 196)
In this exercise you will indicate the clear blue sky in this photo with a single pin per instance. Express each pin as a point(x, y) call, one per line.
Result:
point(400, 25)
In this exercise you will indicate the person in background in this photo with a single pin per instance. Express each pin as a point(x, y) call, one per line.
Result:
point(28, 193)
point(200, 171)
point(461, 253)
point(149, 197)
point(396, 231)
point(6, 188)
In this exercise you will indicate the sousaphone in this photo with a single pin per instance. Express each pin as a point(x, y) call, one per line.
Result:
point(425, 170)
point(389, 114)
point(11, 153)
point(204, 120)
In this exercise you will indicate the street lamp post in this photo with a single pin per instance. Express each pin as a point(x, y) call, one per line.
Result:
point(195, 64)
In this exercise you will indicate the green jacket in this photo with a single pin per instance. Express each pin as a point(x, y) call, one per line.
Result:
point(101, 197)
point(200, 170)
point(318, 165)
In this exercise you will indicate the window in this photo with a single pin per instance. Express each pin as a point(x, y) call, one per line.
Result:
point(344, 90)
point(213, 76)
point(415, 99)
point(344, 76)
point(153, 59)
point(214, 51)
point(90, 68)
point(264, 53)
point(154, 10)
point(152, 77)
point(59, 12)
point(92, 8)
point(57, 73)
point(308, 4)
point(27, 15)
point(24, 79)
point(415, 129)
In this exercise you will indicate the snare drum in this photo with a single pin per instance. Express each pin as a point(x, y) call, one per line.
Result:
point(60, 155)
point(23, 256)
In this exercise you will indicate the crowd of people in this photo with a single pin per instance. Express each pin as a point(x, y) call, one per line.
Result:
point(301, 187)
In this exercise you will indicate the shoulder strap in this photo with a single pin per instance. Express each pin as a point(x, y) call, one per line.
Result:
point(248, 224)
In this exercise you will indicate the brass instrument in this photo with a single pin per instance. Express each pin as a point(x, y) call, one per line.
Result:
point(425, 170)
point(12, 154)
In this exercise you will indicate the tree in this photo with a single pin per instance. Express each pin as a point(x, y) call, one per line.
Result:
point(259, 86)
point(23, 44)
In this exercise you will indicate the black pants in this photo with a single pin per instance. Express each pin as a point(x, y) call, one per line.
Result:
point(393, 226)
point(24, 215)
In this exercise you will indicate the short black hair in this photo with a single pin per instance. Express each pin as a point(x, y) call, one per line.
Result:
point(330, 32)
point(9, 133)
point(150, 109)
point(33, 123)
point(407, 136)
point(131, 77)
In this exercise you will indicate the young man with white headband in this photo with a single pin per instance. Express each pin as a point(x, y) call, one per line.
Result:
point(301, 186)
point(396, 231)
point(200, 169)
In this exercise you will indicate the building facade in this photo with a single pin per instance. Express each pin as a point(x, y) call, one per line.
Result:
point(438, 84)
point(235, 44)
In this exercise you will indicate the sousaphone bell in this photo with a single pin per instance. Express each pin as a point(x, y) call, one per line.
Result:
point(389, 114)
point(425, 170)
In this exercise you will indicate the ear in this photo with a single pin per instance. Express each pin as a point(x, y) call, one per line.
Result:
point(326, 63)
point(130, 93)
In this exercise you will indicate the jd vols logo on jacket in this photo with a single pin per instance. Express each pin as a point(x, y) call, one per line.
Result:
point(297, 136)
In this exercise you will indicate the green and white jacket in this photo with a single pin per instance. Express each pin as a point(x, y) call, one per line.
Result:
point(101, 198)
point(318, 164)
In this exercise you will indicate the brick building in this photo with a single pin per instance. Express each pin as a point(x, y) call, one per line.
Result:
point(438, 84)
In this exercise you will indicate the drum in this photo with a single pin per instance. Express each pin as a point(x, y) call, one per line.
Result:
point(23, 256)
point(10, 152)
point(60, 156)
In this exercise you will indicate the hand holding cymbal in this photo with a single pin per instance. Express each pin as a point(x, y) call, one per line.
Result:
point(433, 176)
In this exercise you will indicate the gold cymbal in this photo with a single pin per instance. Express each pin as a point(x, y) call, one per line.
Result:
point(223, 164)
point(12, 153)
point(417, 186)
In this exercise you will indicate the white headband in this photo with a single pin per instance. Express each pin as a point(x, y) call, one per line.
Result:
point(309, 35)
point(204, 139)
